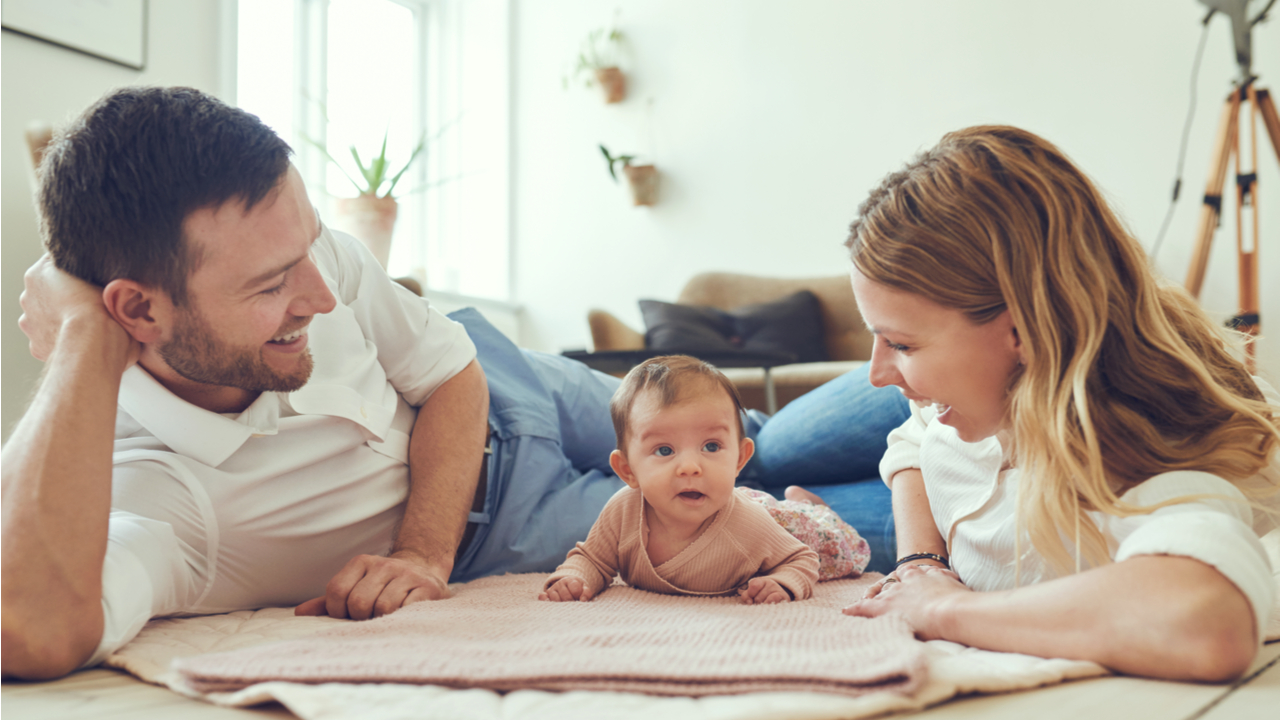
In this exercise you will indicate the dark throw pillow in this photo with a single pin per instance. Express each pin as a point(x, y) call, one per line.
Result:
point(790, 325)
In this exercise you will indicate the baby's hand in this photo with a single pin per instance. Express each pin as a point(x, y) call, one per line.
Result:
point(565, 589)
point(761, 590)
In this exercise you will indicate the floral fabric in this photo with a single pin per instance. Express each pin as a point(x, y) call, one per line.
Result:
point(841, 550)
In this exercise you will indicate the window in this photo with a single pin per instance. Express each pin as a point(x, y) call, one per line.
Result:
point(344, 74)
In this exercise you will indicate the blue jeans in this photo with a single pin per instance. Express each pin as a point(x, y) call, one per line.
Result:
point(549, 474)
point(830, 441)
point(551, 435)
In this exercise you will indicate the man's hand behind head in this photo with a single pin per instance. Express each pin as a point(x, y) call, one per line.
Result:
point(53, 300)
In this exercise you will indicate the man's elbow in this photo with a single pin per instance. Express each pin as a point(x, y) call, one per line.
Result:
point(34, 652)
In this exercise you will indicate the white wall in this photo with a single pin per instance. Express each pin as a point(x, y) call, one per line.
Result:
point(44, 82)
point(770, 121)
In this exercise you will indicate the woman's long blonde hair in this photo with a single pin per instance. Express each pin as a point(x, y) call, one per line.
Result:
point(1125, 377)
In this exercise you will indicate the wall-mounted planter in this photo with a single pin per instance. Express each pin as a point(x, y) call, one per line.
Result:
point(614, 84)
point(643, 180)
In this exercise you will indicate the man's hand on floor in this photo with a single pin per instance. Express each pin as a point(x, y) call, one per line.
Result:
point(372, 586)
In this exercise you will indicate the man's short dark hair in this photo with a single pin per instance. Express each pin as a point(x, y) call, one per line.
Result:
point(116, 185)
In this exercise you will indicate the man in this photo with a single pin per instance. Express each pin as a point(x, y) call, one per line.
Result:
point(239, 409)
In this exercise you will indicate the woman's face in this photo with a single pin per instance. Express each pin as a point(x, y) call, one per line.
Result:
point(936, 355)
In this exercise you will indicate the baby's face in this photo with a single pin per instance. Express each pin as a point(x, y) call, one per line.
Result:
point(686, 456)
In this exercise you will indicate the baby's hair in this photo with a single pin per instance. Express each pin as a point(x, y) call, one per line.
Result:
point(669, 376)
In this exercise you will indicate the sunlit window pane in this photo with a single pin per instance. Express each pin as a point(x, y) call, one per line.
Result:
point(372, 50)
point(265, 57)
point(365, 66)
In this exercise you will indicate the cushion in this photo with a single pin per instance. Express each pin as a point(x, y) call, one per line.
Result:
point(790, 325)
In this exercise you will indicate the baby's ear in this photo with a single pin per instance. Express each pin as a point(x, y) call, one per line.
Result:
point(618, 461)
point(746, 448)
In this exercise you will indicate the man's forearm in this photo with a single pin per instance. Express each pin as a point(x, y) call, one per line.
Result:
point(445, 454)
point(57, 499)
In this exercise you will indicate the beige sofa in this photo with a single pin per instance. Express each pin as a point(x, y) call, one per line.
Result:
point(847, 339)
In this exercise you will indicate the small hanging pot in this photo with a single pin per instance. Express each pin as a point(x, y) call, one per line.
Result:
point(613, 83)
point(643, 180)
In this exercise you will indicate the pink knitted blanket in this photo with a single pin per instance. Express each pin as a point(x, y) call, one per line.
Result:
point(494, 634)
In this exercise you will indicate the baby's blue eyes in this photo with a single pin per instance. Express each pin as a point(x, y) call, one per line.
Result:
point(667, 451)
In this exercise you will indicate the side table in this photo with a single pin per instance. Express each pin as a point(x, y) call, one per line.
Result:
point(617, 362)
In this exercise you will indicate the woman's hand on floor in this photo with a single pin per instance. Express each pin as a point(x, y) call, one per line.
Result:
point(914, 592)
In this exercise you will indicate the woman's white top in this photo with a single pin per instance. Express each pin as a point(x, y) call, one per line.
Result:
point(974, 504)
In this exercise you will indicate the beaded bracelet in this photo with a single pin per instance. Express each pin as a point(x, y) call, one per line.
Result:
point(923, 556)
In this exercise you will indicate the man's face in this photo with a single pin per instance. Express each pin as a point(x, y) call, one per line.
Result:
point(199, 354)
point(252, 297)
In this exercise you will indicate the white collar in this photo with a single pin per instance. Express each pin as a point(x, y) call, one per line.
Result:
point(202, 435)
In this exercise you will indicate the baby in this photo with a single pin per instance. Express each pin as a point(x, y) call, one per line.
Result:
point(680, 527)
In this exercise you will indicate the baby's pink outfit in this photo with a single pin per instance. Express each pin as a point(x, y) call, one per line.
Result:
point(842, 552)
point(743, 541)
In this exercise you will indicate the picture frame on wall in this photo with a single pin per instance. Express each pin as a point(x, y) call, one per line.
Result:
point(112, 30)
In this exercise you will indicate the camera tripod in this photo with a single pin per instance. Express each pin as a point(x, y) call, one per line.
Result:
point(1226, 145)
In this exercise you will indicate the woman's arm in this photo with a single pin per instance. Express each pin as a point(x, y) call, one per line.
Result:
point(913, 522)
point(1157, 616)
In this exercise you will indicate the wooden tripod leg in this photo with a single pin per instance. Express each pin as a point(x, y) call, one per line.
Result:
point(1270, 120)
point(1249, 319)
point(1213, 193)
point(1246, 321)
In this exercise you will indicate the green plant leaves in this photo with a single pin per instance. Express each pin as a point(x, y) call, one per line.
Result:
point(612, 160)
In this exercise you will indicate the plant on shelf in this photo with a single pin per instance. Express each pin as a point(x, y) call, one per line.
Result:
point(643, 179)
point(371, 215)
point(378, 172)
point(598, 61)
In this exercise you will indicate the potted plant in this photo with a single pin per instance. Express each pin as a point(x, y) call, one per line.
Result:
point(371, 215)
point(643, 179)
point(598, 61)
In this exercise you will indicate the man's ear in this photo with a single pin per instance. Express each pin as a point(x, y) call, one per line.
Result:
point(142, 311)
point(618, 462)
point(746, 449)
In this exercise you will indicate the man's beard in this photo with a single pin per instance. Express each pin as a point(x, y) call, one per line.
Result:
point(197, 355)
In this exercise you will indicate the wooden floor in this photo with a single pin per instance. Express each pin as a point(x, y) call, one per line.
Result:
point(112, 695)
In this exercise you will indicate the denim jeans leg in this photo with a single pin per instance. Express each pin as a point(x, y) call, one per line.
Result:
point(582, 400)
point(836, 433)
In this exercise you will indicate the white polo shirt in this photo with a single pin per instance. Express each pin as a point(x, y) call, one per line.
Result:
point(213, 513)
point(974, 504)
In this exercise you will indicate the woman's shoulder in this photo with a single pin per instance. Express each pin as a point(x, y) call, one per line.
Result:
point(1177, 484)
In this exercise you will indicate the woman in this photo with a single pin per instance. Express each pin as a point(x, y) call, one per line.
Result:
point(1084, 443)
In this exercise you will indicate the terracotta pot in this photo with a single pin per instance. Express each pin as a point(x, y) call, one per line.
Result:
point(371, 220)
point(643, 180)
point(614, 84)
